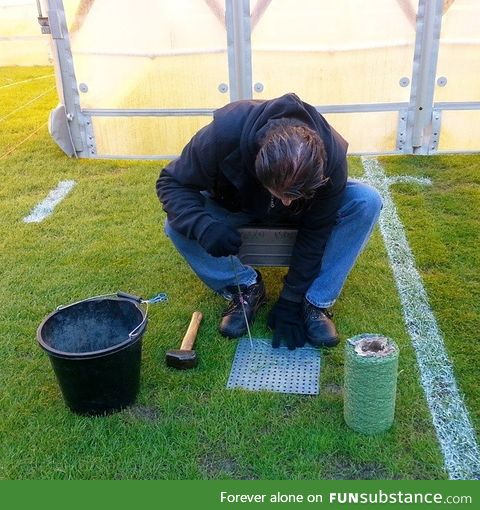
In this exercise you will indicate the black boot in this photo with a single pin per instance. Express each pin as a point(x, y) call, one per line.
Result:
point(319, 327)
point(233, 319)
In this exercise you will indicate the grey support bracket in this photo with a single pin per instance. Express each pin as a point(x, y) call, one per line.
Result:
point(401, 131)
point(90, 134)
point(435, 136)
point(66, 79)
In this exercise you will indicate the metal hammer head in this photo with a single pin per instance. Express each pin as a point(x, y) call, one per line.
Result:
point(181, 359)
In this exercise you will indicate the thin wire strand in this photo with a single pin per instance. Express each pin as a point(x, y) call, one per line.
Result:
point(12, 149)
point(26, 81)
point(26, 104)
point(241, 301)
point(245, 315)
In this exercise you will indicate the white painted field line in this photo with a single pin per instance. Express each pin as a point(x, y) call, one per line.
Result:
point(451, 420)
point(46, 207)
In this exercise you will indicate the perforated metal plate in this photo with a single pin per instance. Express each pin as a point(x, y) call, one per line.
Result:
point(260, 367)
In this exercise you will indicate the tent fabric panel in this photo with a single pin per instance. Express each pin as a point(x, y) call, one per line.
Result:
point(28, 52)
point(173, 56)
point(459, 54)
point(19, 20)
point(334, 52)
point(184, 81)
point(460, 130)
point(136, 136)
point(372, 132)
point(321, 80)
point(21, 41)
point(144, 136)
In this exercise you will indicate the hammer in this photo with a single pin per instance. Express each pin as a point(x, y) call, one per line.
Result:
point(184, 357)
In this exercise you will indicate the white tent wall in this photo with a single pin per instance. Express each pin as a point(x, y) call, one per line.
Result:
point(345, 56)
point(21, 42)
point(393, 76)
point(457, 94)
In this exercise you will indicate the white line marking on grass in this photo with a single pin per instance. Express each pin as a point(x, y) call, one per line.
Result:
point(450, 416)
point(46, 207)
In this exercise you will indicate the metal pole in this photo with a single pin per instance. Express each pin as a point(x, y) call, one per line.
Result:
point(66, 80)
point(237, 17)
point(427, 43)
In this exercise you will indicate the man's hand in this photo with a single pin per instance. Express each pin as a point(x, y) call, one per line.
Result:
point(221, 240)
point(286, 321)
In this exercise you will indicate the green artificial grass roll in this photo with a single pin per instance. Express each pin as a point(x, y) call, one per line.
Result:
point(371, 366)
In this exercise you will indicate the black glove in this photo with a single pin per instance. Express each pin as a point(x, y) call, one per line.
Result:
point(221, 240)
point(286, 321)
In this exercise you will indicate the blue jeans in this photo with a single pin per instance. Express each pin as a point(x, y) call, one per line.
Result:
point(356, 218)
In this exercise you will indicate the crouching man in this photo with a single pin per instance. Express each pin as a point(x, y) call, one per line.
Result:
point(272, 162)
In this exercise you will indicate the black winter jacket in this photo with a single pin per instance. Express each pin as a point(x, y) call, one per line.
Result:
point(220, 159)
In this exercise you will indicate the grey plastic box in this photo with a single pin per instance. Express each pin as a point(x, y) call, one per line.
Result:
point(267, 246)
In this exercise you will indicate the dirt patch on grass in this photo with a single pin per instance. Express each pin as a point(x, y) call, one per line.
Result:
point(214, 466)
point(341, 468)
point(332, 389)
point(143, 413)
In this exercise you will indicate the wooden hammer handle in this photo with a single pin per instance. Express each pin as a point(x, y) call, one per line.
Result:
point(191, 334)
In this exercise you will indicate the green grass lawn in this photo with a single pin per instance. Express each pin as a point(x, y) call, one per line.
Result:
point(107, 235)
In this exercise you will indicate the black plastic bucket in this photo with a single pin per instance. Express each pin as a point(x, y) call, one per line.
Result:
point(95, 349)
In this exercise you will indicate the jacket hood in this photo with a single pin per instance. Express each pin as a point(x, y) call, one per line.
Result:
point(292, 107)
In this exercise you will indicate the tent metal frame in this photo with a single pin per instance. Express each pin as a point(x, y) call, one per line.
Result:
point(419, 120)
point(427, 42)
point(78, 123)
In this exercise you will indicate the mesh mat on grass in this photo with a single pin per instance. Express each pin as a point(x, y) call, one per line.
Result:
point(257, 366)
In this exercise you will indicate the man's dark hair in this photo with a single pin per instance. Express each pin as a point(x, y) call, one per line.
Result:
point(291, 160)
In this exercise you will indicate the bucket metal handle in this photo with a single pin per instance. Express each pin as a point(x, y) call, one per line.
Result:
point(61, 307)
point(132, 297)
point(124, 295)
point(159, 298)
point(136, 331)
